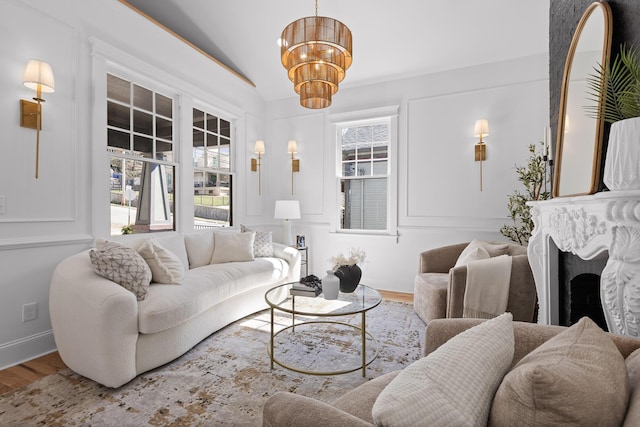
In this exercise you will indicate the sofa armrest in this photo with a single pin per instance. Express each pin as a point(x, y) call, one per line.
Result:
point(440, 260)
point(288, 409)
point(522, 290)
point(293, 258)
point(94, 321)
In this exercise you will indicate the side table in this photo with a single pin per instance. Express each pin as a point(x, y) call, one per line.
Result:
point(304, 252)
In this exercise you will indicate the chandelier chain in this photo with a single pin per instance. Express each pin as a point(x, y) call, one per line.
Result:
point(316, 7)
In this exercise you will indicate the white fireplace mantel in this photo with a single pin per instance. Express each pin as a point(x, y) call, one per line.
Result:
point(587, 226)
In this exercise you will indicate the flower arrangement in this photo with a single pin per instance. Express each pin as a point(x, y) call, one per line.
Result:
point(356, 256)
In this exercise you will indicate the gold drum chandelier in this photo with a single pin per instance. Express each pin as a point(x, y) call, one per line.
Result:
point(316, 51)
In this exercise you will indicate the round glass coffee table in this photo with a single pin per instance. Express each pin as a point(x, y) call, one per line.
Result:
point(363, 299)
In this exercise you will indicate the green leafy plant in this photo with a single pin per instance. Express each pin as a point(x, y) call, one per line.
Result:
point(127, 229)
point(534, 177)
point(618, 85)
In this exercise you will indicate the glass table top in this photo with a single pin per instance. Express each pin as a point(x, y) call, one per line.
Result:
point(364, 298)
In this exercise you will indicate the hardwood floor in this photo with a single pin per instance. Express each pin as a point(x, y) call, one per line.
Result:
point(32, 370)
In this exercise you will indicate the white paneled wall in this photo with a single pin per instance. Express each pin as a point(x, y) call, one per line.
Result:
point(439, 197)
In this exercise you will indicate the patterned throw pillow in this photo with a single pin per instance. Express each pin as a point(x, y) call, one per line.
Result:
point(123, 266)
point(263, 243)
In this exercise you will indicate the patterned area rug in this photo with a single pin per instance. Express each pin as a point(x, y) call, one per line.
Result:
point(226, 379)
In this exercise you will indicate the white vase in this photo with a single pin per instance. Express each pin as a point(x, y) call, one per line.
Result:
point(330, 286)
point(622, 165)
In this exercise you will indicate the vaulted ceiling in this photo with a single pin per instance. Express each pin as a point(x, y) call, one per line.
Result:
point(391, 39)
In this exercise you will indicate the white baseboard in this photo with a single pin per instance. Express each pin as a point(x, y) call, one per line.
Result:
point(27, 348)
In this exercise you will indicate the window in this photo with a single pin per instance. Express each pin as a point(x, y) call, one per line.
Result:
point(211, 170)
point(364, 174)
point(140, 130)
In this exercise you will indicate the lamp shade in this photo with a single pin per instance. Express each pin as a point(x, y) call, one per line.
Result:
point(287, 209)
point(481, 128)
point(38, 73)
point(292, 148)
point(259, 147)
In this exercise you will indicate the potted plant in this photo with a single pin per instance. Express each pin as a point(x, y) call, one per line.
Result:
point(618, 85)
point(347, 270)
point(534, 177)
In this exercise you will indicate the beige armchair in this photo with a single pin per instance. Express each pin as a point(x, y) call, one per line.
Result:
point(439, 286)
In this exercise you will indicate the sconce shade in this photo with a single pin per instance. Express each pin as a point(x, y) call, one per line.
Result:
point(38, 73)
point(292, 147)
point(259, 147)
point(287, 209)
point(481, 128)
point(316, 51)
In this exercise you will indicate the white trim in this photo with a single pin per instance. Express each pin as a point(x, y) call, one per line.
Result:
point(41, 242)
point(27, 348)
point(364, 115)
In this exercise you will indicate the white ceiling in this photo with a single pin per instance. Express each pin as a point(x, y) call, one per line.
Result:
point(391, 39)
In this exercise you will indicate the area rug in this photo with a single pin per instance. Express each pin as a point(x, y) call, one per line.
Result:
point(224, 380)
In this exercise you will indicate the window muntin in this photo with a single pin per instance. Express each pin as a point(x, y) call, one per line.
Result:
point(212, 170)
point(364, 171)
point(140, 141)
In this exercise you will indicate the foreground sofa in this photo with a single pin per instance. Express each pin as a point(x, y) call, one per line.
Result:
point(355, 407)
point(104, 333)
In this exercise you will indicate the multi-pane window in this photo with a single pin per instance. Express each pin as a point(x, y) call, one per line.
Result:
point(211, 170)
point(140, 140)
point(364, 171)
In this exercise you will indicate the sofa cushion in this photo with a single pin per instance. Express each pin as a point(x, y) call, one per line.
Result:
point(123, 266)
point(359, 401)
point(175, 244)
point(493, 250)
point(167, 306)
point(632, 418)
point(263, 243)
point(455, 384)
point(566, 381)
point(165, 266)
point(199, 246)
point(233, 247)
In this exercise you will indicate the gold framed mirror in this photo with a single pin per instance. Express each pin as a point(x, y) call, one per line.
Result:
point(579, 137)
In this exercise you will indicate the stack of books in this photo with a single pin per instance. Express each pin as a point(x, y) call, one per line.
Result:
point(307, 287)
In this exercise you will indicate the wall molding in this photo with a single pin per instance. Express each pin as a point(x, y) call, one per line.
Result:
point(42, 242)
point(18, 351)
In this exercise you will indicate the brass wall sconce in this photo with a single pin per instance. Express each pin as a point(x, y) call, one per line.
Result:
point(292, 149)
point(256, 163)
point(481, 129)
point(39, 77)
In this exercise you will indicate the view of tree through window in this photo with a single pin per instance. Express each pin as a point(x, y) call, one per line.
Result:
point(211, 170)
point(141, 146)
point(364, 172)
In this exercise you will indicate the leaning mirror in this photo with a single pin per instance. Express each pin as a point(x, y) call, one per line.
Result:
point(579, 139)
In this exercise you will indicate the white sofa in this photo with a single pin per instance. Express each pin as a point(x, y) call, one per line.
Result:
point(102, 332)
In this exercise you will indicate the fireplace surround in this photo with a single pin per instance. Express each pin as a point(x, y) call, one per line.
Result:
point(588, 226)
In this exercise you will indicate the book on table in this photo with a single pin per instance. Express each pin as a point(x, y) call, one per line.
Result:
point(300, 289)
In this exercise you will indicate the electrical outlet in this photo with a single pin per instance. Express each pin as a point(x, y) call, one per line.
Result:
point(29, 311)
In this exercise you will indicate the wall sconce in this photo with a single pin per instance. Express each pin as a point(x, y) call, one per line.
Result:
point(39, 77)
point(481, 129)
point(292, 149)
point(255, 163)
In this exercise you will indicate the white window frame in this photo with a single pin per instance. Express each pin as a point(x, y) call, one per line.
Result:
point(359, 118)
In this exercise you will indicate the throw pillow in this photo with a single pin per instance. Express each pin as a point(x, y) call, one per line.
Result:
point(263, 243)
point(123, 266)
point(231, 247)
point(493, 250)
point(577, 378)
point(632, 418)
point(455, 384)
point(199, 247)
point(165, 266)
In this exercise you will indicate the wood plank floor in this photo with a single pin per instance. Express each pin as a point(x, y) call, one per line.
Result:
point(32, 370)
